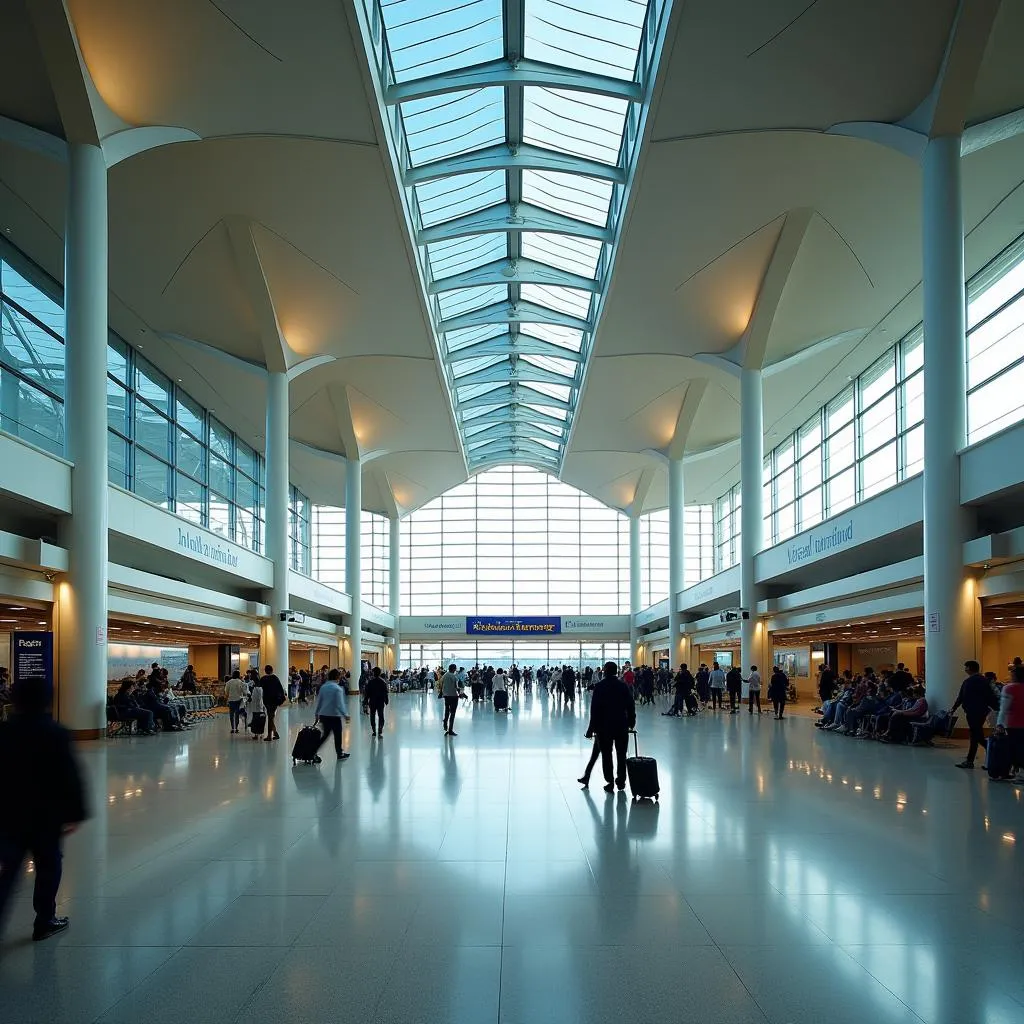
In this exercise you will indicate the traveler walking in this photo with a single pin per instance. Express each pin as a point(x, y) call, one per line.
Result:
point(376, 697)
point(42, 799)
point(273, 697)
point(235, 693)
point(977, 698)
point(612, 715)
point(330, 708)
point(452, 692)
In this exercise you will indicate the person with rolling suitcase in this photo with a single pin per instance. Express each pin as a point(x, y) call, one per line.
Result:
point(307, 743)
point(612, 716)
point(331, 707)
point(500, 687)
point(643, 774)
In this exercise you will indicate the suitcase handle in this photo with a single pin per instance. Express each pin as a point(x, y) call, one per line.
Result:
point(636, 747)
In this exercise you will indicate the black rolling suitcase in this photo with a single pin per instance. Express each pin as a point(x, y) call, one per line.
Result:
point(501, 700)
point(258, 724)
point(643, 774)
point(307, 743)
point(999, 759)
point(691, 703)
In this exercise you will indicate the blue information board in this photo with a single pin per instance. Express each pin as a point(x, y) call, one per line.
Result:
point(513, 625)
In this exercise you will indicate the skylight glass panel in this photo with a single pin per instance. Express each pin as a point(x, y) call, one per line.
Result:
point(564, 337)
point(468, 366)
point(447, 198)
point(465, 300)
point(493, 389)
point(462, 337)
point(565, 367)
point(586, 199)
point(577, 255)
point(465, 253)
point(429, 37)
point(438, 127)
point(580, 124)
point(548, 410)
point(565, 300)
point(559, 391)
point(599, 36)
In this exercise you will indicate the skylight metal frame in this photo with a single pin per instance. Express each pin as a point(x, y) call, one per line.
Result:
point(501, 417)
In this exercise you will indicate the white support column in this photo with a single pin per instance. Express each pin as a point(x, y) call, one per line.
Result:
point(353, 562)
point(276, 633)
point(634, 586)
point(395, 584)
point(82, 595)
point(751, 509)
point(949, 595)
point(676, 562)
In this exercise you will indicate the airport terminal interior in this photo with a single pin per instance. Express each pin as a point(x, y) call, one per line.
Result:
point(346, 339)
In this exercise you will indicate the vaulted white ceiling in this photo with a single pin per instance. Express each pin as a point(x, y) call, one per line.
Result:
point(277, 128)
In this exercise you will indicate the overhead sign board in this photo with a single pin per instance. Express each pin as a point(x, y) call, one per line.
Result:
point(33, 657)
point(522, 625)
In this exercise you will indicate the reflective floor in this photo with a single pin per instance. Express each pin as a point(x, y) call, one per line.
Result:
point(786, 876)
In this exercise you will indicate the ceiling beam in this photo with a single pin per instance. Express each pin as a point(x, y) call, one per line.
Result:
point(514, 414)
point(513, 313)
point(513, 155)
point(687, 413)
point(640, 492)
point(513, 394)
point(754, 343)
point(507, 218)
point(996, 129)
point(513, 344)
point(337, 395)
point(474, 442)
point(512, 446)
point(521, 271)
point(502, 73)
point(504, 428)
point(254, 283)
point(507, 370)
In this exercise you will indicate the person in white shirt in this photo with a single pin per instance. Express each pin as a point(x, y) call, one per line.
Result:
point(754, 690)
point(717, 684)
point(255, 705)
point(331, 707)
point(235, 691)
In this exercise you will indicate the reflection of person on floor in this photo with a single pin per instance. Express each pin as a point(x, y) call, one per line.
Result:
point(41, 799)
point(612, 715)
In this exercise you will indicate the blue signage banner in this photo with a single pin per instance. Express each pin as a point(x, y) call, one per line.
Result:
point(513, 625)
point(33, 657)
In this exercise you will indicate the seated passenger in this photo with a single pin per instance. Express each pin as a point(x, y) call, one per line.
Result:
point(915, 710)
point(129, 711)
point(166, 716)
point(869, 705)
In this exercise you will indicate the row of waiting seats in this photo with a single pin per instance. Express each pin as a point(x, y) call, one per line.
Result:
point(199, 705)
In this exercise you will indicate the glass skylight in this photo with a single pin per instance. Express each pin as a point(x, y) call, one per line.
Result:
point(515, 126)
point(430, 37)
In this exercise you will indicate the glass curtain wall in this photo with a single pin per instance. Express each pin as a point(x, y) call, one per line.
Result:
point(328, 552)
point(514, 540)
point(162, 444)
point(698, 551)
point(522, 652)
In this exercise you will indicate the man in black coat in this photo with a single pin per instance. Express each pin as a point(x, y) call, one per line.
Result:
point(41, 799)
point(612, 715)
point(977, 699)
point(273, 698)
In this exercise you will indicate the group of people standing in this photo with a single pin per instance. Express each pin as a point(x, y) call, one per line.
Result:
point(707, 690)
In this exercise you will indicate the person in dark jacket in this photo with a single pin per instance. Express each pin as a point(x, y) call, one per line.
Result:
point(273, 697)
point(128, 709)
point(734, 684)
point(826, 684)
point(376, 697)
point(684, 685)
point(42, 799)
point(612, 715)
point(778, 691)
point(977, 698)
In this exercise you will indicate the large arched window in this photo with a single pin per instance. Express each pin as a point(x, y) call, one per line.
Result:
point(514, 540)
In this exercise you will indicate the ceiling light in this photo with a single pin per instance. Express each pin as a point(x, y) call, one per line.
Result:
point(18, 608)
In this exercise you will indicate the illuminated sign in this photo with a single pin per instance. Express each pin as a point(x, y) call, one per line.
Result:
point(523, 625)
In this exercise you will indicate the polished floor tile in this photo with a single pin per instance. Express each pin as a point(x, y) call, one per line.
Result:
point(784, 876)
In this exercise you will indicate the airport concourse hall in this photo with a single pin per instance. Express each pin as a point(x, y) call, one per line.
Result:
point(511, 512)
